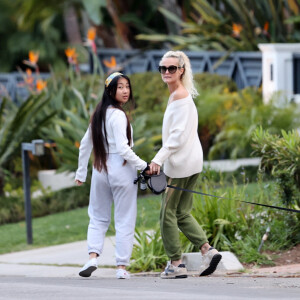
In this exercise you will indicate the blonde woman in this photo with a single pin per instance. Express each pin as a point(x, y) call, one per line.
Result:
point(182, 157)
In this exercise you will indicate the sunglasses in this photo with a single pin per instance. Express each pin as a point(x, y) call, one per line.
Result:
point(171, 69)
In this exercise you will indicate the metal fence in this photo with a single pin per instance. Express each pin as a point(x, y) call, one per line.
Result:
point(245, 68)
point(13, 85)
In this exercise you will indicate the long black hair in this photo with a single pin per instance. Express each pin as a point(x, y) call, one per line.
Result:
point(99, 134)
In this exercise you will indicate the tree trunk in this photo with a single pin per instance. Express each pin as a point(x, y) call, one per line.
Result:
point(72, 26)
point(121, 28)
point(172, 7)
point(107, 36)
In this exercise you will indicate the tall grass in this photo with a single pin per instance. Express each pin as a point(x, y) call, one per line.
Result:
point(230, 224)
point(149, 253)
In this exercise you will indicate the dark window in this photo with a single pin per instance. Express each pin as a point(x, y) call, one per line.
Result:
point(297, 74)
point(271, 72)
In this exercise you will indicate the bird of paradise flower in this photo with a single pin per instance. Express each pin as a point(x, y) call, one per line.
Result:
point(111, 64)
point(72, 58)
point(32, 62)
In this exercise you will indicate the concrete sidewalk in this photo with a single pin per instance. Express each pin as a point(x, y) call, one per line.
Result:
point(57, 261)
point(67, 259)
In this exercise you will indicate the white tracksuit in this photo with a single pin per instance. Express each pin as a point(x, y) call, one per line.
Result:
point(114, 186)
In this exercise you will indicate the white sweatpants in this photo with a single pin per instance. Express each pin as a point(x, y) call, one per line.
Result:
point(114, 186)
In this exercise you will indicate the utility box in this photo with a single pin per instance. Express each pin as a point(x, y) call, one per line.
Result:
point(281, 71)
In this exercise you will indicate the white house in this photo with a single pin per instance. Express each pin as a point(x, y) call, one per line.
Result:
point(281, 71)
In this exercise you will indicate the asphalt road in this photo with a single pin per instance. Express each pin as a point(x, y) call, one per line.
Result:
point(145, 288)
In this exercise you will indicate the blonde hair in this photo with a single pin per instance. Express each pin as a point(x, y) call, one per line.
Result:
point(187, 76)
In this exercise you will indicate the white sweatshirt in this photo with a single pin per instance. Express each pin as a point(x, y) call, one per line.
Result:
point(181, 152)
point(116, 124)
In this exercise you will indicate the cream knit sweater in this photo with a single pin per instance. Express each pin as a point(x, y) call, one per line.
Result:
point(181, 152)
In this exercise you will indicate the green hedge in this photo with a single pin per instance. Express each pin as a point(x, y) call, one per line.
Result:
point(12, 207)
point(151, 93)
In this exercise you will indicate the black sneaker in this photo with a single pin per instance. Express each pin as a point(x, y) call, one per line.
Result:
point(210, 262)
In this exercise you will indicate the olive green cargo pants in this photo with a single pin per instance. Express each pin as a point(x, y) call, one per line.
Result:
point(176, 213)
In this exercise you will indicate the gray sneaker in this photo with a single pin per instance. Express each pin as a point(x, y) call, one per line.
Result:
point(210, 261)
point(172, 272)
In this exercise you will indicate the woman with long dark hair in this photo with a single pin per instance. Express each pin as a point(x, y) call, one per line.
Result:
point(114, 170)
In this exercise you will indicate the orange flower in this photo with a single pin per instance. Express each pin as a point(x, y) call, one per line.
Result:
point(40, 85)
point(266, 27)
point(110, 64)
point(29, 77)
point(236, 29)
point(72, 55)
point(33, 57)
point(70, 52)
point(77, 144)
point(28, 72)
point(91, 35)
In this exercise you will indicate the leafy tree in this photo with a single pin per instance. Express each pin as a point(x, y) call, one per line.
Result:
point(34, 25)
point(233, 25)
point(47, 27)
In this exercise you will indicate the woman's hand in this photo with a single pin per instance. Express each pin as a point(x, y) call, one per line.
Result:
point(78, 182)
point(154, 168)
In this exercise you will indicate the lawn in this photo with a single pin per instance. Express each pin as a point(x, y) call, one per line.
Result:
point(69, 226)
point(72, 225)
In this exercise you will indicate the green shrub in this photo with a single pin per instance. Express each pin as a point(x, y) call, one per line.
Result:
point(12, 205)
point(232, 225)
point(227, 121)
point(280, 155)
point(219, 217)
point(284, 233)
point(227, 118)
point(209, 81)
point(21, 124)
point(247, 250)
point(148, 254)
point(149, 91)
point(151, 95)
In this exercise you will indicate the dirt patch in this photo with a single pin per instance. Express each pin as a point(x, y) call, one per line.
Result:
point(280, 258)
point(287, 257)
